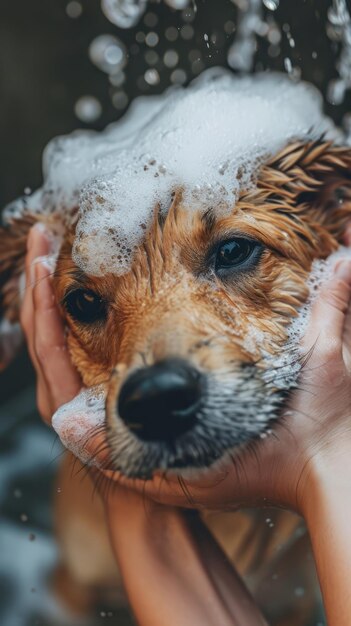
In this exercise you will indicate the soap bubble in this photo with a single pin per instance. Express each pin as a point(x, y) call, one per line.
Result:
point(120, 100)
point(178, 77)
point(88, 109)
point(171, 58)
point(272, 5)
point(150, 20)
point(74, 9)
point(171, 33)
point(187, 32)
point(152, 77)
point(151, 39)
point(124, 13)
point(177, 4)
point(107, 53)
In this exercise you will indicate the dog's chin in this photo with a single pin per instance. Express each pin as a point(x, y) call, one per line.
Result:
point(191, 456)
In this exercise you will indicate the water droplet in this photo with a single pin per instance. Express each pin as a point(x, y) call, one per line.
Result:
point(177, 4)
point(24, 517)
point(288, 65)
point(299, 592)
point(187, 32)
point(171, 58)
point(140, 37)
point(117, 79)
point(171, 33)
point(88, 109)
point(151, 57)
point(178, 77)
point(272, 5)
point(229, 27)
point(120, 100)
point(152, 77)
point(152, 39)
point(150, 20)
point(107, 53)
point(124, 13)
point(74, 9)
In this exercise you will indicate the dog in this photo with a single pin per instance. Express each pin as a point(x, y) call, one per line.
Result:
point(201, 318)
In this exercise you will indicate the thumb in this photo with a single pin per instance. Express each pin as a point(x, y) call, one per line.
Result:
point(328, 317)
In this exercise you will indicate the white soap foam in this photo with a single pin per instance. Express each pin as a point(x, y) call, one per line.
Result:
point(286, 368)
point(208, 139)
point(76, 421)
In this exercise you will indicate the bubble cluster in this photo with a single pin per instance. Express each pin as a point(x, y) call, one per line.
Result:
point(107, 53)
point(127, 13)
point(250, 25)
point(208, 140)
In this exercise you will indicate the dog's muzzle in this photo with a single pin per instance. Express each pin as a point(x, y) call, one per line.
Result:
point(160, 402)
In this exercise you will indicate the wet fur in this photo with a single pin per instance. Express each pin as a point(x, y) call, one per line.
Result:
point(171, 304)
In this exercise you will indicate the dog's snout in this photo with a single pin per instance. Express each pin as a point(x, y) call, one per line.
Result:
point(159, 403)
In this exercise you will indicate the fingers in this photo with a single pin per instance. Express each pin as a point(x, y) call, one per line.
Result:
point(38, 245)
point(57, 379)
point(50, 343)
point(329, 312)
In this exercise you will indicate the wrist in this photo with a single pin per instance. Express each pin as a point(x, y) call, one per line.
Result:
point(326, 478)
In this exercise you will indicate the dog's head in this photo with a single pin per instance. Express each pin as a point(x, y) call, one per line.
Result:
point(188, 342)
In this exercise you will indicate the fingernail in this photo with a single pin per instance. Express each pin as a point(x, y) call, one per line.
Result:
point(43, 294)
point(40, 227)
point(343, 270)
point(43, 261)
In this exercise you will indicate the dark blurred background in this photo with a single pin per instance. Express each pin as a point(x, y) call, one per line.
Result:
point(45, 70)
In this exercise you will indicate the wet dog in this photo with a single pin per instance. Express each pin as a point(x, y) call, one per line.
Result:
point(199, 323)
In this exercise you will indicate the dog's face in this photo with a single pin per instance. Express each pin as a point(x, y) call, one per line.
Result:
point(188, 342)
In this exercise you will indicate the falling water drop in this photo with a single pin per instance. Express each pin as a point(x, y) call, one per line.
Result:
point(272, 5)
point(177, 4)
point(88, 109)
point(107, 53)
point(124, 13)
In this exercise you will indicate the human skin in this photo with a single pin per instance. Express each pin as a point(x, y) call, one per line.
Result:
point(304, 466)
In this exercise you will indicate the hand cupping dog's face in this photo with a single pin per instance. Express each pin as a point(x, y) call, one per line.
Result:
point(317, 417)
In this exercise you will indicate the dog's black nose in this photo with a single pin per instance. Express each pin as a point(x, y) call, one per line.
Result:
point(159, 403)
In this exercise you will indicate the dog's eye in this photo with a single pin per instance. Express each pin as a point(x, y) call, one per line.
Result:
point(85, 306)
point(238, 252)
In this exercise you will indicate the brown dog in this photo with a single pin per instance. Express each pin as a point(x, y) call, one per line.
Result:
point(199, 323)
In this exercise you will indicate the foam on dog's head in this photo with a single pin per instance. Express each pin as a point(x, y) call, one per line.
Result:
point(208, 140)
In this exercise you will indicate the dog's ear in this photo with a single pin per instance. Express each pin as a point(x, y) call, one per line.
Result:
point(13, 248)
point(315, 178)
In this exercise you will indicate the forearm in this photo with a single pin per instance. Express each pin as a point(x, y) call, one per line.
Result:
point(328, 516)
point(174, 573)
